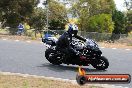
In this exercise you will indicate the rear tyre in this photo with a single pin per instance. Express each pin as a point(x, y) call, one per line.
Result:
point(52, 57)
point(100, 63)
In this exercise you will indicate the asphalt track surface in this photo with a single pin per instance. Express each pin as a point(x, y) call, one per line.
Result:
point(29, 58)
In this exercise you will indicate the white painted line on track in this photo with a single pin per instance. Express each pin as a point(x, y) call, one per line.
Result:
point(4, 39)
point(17, 40)
point(102, 47)
point(114, 48)
point(128, 49)
point(41, 42)
point(28, 41)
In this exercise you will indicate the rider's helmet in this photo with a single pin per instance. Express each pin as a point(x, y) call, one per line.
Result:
point(72, 29)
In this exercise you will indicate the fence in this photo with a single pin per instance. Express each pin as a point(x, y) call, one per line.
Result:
point(92, 35)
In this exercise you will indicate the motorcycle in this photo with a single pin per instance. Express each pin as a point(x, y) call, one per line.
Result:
point(90, 54)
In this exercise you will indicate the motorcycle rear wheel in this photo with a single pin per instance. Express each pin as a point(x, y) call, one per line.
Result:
point(100, 63)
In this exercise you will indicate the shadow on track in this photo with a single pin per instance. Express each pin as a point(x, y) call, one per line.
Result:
point(62, 68)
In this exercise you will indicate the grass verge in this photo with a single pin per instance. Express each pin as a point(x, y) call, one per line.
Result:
point(4, 31)
point(13, 81)
point(115, 45)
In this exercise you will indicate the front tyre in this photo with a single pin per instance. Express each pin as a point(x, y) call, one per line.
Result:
point(100, 63)
point(81, 80)
point(51, 56)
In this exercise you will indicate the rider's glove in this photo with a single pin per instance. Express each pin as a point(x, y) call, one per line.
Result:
point(89, 42)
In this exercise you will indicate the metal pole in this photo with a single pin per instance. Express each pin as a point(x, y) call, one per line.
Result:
point(47, 17)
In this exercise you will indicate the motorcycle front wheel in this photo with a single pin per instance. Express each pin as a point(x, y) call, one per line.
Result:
point(100, 63)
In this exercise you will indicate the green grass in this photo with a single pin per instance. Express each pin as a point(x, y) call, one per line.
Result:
point(12, 81)
point(129, 44)
point(25, 84)
point(4, 31)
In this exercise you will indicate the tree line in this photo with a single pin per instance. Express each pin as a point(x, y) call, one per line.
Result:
point(93, 15)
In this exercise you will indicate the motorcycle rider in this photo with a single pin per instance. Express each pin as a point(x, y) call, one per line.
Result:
point(64, 41)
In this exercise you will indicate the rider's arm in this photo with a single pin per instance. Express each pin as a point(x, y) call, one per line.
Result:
point(80, 38)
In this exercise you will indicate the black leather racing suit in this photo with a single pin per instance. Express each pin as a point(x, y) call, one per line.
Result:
point(64, 44)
